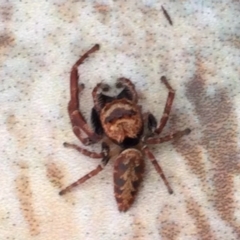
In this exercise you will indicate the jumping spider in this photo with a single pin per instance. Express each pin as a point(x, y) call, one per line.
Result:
point(120, 120)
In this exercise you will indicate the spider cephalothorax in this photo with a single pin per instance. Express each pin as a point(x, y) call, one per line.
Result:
point(120, 119)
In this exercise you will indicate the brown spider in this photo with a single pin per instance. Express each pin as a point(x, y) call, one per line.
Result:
point(120, 120)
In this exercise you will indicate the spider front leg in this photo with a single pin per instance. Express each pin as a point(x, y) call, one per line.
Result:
point(77, 120)
point(105, 159)
point(168, 106)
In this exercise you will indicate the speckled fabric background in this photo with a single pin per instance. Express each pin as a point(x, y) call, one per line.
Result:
point(199, 54)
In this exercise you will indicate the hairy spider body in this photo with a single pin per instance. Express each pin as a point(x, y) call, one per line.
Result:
point(120, 119)
point(122, 122)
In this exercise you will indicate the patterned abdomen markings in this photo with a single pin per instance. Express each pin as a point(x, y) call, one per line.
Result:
point(128, 174)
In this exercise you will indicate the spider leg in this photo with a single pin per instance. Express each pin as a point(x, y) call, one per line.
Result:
point(157, 167)
point(99, 168)
point(129, 87)
point(83, 151)
point(77, 120)
point(168, 106)
point(176, 135)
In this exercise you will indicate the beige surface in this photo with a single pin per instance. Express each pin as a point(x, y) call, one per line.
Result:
point(40, 40)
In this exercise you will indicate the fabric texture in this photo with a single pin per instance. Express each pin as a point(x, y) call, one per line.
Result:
point(199, 54)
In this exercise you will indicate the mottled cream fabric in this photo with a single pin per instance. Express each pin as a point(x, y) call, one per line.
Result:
point(199, 54)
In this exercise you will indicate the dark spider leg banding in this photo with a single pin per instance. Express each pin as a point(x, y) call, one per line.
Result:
point(83, 151)
point(168, 106)
point(105, 152)
point(157, 167)
point(78, 132)
point(176, 135)
point(124, 82)
point(78, 122)
point(81, 180)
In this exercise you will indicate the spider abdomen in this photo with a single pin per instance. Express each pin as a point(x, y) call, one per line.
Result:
point(121, 119)
point(128, 174)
